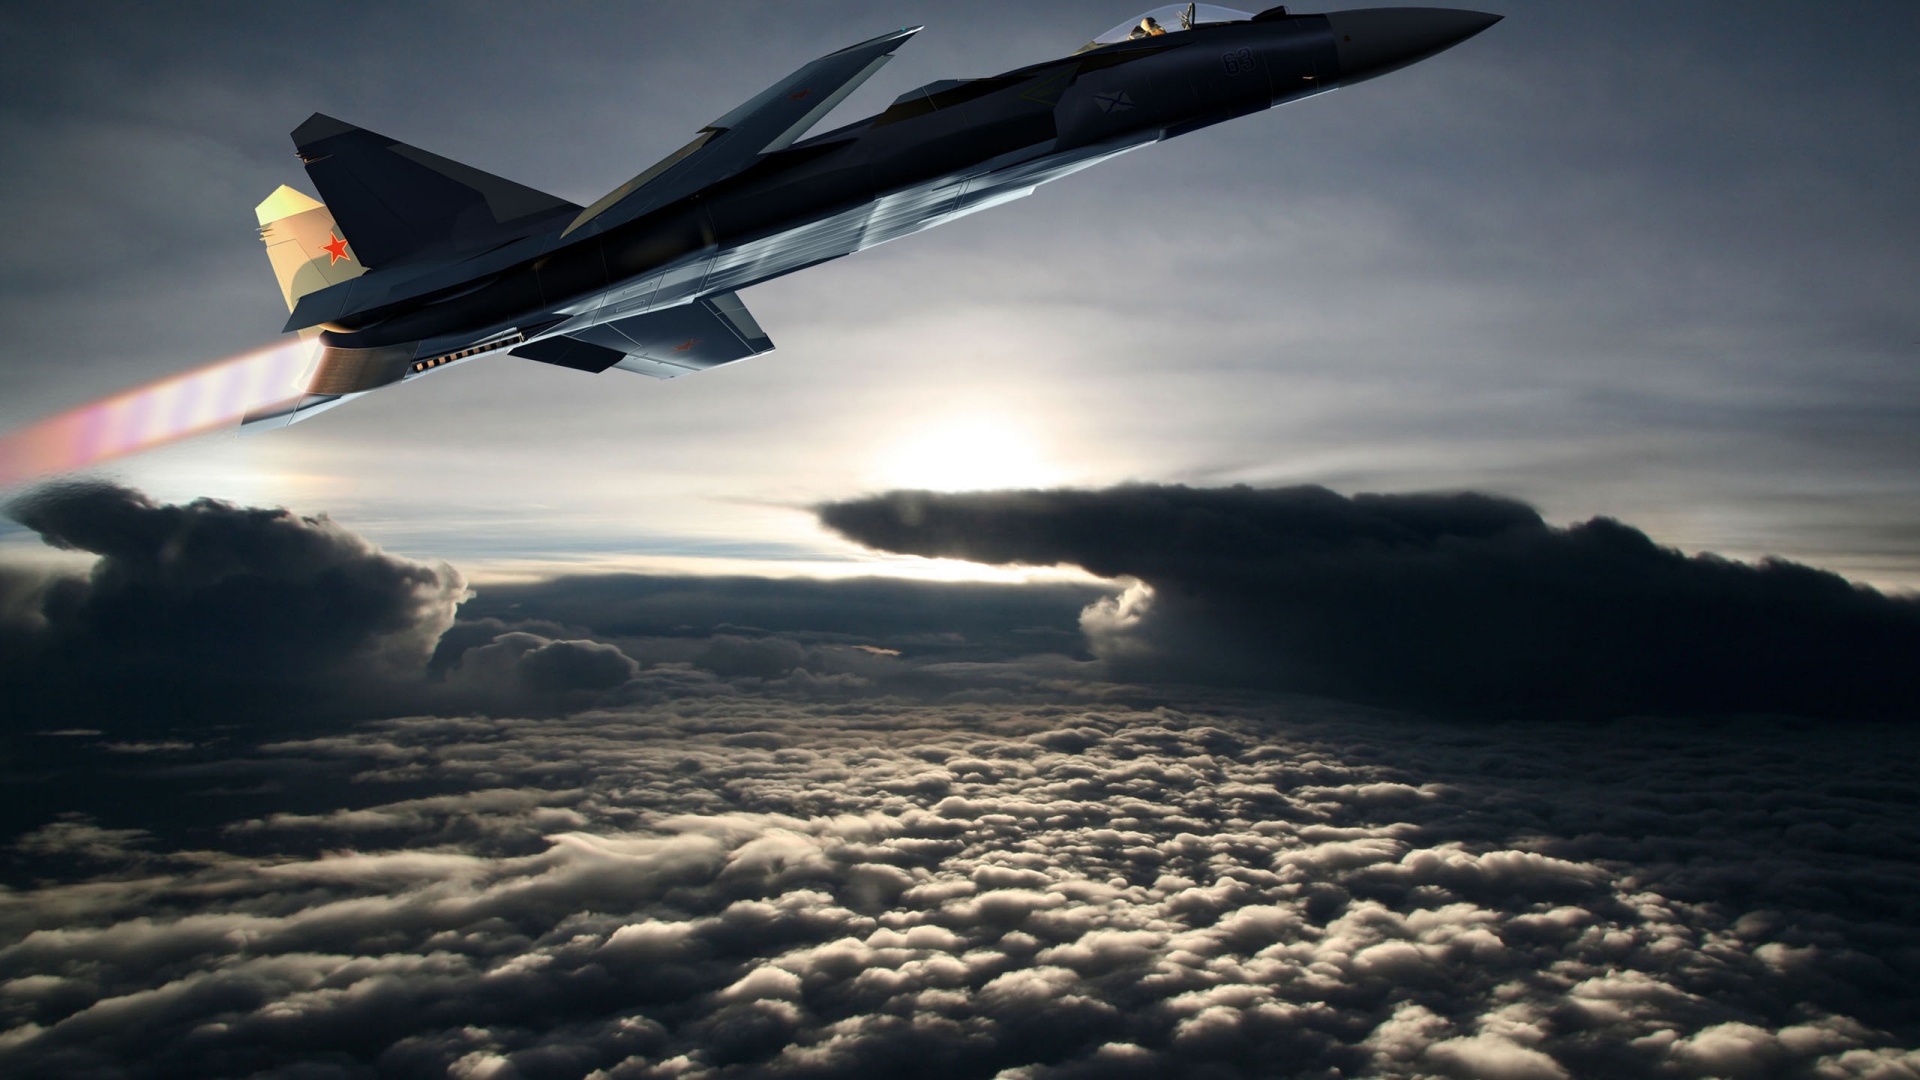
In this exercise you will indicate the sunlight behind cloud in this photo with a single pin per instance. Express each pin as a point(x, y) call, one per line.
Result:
point(496, 571)
point(967, 452)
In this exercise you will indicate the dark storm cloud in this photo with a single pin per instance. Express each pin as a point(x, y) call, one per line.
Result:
point(207, 610)
point(739, 887)
point(214, 613)
point(1436, 602)
point(210, 612)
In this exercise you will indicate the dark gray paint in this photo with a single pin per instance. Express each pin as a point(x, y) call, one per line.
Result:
point(448, 270)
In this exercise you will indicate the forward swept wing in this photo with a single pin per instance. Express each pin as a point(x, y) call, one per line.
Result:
point(772, 120)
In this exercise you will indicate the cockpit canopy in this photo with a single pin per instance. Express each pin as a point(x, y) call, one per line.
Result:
point(1170, 19)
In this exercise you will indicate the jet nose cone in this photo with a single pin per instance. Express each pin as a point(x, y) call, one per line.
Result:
point(1374, 41)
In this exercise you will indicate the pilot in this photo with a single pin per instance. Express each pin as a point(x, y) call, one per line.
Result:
point(1147, 28)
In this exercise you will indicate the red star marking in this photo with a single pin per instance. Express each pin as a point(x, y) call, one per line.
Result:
point(687, 345)
point(798, 96)
point(337, 248)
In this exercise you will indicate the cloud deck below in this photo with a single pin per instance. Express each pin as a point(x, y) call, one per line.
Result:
point(284, 805)
point(735, 886)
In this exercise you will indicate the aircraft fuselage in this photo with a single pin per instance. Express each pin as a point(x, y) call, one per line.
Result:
point(938, 153)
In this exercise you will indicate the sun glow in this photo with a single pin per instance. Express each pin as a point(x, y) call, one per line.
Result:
point(193, 403)
point(968, 452)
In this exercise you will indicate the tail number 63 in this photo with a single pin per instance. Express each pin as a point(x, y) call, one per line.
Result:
point(1239, 62)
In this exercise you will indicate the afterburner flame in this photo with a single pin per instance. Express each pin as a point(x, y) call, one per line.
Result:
point(167, 411)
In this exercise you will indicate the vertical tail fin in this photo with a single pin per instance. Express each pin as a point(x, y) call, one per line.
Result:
point(305, 246)
point(398, 201)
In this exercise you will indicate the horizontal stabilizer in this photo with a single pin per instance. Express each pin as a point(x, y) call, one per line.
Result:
point(770, 121)
point(664, 344)
point(291, 411)
point(394, 201)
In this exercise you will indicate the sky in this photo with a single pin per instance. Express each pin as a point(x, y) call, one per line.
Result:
point(1418, 583)
point(1638, 260)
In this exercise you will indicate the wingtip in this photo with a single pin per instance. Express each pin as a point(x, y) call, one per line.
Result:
point(892, 37)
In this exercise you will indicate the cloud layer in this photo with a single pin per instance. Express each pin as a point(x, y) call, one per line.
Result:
point(738, 887)
point(213, 613)
point(644, 828)
point(207, 611)
point(1464, 603)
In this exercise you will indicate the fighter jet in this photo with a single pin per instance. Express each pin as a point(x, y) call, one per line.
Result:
point(411, 263)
